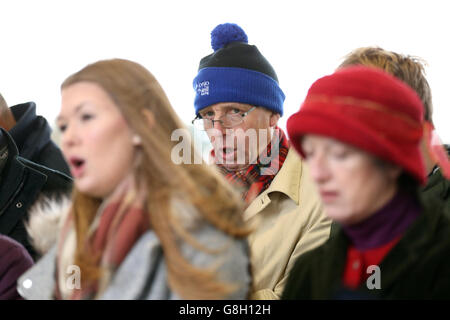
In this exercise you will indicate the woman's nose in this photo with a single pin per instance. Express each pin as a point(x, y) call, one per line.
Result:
point(68, 136)
point(318, 169)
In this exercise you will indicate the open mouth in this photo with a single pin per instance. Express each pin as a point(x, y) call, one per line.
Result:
point(227, 151)
point(76, 166)
point(77, 163)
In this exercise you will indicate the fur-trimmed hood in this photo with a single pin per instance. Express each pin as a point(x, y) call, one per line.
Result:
point(45, 221)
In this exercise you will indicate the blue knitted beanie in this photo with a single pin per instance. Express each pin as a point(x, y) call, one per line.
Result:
point(236, 72)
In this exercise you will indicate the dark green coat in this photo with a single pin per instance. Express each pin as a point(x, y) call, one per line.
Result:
point(418, 267)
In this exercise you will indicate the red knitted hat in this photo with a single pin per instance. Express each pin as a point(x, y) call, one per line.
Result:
point(369, 109)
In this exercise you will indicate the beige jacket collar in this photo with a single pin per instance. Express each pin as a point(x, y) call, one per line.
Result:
point(287, 181)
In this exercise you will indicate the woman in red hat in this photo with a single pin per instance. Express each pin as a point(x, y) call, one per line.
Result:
point(359, 130)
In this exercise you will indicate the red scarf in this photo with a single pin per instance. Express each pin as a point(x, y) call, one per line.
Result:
point(119, 223)
point(258, 177)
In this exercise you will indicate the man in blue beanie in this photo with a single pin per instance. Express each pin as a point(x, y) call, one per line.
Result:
point(238, 103)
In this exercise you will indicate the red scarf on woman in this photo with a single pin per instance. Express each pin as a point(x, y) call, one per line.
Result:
point(119, 223)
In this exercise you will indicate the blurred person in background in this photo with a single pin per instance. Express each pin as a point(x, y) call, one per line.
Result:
point(14, 261)
point(32, 135)
point(360, 131)
point(22, 184)
point(411, 70)
point(138, 226)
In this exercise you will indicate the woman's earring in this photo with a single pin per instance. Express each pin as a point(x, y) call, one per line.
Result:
point(137, 141)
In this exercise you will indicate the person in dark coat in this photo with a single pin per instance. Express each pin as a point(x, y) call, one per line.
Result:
point(359, 131)
point(14, 261)
point(409, 69)
point(32, 133)
point(22, 182)
point(438, 185)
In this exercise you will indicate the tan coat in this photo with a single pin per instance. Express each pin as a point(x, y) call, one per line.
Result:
point(288, 219)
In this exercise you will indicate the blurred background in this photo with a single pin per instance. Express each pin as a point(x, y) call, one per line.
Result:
point(43, 42)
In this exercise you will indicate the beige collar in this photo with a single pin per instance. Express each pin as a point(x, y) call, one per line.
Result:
point(287, 181)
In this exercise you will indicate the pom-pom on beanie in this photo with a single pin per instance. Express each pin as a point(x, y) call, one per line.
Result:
point(236, 72)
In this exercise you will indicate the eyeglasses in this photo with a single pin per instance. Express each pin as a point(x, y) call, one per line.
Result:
point(228, 120)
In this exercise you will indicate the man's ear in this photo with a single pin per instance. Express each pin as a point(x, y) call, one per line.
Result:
point(274, 119)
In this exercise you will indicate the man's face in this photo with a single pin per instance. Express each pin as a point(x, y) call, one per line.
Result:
point(238, 146)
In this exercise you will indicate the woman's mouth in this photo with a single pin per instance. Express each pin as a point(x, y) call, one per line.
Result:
point(76, 166)
point(328, 196)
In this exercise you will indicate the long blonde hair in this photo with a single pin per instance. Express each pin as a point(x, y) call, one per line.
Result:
point(136, 92)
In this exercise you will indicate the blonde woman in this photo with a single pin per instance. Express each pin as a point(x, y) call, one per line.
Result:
point(138, 225)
